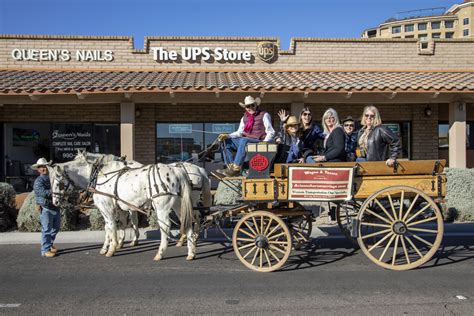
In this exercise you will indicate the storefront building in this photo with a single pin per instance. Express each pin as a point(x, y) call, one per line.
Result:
point(168, 101)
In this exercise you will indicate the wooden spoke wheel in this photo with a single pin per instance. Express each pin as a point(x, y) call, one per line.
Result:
point(300, 229)
point(262, 241)
point(399, 228)
point(345, 213)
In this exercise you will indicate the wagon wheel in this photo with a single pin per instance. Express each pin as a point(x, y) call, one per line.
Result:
point(345, 212)
point(399, 228)
point(300, 229)
point(262, 241)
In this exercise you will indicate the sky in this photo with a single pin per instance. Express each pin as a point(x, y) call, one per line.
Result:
point(253, 18)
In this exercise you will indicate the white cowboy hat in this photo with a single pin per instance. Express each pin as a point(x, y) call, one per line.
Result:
point(249, 100)
point(41, 162)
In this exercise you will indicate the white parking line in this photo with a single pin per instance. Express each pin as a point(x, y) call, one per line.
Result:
point(9, 305)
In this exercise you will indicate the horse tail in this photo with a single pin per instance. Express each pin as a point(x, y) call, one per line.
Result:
point(186, 216)
point(206, 189)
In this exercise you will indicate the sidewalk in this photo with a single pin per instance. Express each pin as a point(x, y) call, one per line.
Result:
point(87, 236)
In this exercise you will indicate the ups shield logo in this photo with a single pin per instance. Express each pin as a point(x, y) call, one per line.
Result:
point(267, 51)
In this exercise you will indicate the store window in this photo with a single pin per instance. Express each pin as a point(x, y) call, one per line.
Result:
point(184, 141)
point(24, 143)
point(422, 27)
point(449, 24)
point(403, 131)
point(443, 135)
point(409, 28)
point(435, 25)
point(396, 29)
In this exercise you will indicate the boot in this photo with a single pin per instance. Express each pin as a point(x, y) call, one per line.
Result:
point(48, 254)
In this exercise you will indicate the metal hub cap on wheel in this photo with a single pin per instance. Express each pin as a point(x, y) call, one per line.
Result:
point(261, 241)
point(399, 228)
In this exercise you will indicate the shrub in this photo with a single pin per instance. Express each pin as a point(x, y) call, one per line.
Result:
point(7, 206)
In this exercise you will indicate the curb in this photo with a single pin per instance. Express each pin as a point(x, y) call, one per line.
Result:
point(321, 231)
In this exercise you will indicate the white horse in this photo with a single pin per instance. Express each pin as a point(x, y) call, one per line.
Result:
point(165, 187)
point(201, 192)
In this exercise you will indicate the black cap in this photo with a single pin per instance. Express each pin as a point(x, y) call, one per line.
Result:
point(349, 118)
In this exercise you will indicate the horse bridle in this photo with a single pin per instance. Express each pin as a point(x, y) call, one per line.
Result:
point(96, 167)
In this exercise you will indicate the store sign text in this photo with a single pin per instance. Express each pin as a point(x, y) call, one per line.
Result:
point(200, 53)
point(61, 55)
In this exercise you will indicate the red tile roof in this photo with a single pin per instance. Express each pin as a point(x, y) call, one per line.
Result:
point(36, 81)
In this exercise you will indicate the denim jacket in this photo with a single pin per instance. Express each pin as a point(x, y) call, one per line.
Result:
point(42, 188)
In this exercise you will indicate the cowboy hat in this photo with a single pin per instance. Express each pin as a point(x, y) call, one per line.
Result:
point(249, 100)
point(292, 120)
point(41, 162)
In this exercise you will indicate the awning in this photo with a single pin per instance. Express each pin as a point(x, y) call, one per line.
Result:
point(24, 82)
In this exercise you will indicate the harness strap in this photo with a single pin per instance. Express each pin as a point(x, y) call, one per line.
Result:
point(133, 207)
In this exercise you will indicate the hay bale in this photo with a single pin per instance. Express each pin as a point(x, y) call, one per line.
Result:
point(7, 206)
point(96, 219)
point(229, 192)
point(29, 219)
point(460, 193)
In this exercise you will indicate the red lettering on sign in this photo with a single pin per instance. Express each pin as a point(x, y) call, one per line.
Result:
point(259, 162)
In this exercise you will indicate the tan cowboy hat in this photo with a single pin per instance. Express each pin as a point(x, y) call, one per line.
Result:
point(249, 100)
point(41, 162)
point(292, 120)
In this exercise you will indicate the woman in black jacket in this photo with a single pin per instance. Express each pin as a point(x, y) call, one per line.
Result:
point(376, 142)
point(334, 143)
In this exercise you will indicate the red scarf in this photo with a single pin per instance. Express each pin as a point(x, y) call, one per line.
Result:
point(250, 121)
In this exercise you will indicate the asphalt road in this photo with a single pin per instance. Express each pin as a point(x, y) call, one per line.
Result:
point(330, 277)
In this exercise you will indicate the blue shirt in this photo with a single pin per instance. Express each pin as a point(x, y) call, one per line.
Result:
point(42, 188)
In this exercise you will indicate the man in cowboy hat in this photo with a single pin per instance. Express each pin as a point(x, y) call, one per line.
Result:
point(351, 138)
point(255, 126)
point(50, 214)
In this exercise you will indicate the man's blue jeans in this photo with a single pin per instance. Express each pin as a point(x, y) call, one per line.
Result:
point(238, 145)
point(50, 224)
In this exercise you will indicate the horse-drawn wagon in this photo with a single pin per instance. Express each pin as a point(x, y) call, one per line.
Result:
point(391, 212)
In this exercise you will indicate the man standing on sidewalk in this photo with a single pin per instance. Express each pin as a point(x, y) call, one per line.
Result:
point(50, 214)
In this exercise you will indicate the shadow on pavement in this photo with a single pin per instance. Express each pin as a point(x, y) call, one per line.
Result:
point(453, 250)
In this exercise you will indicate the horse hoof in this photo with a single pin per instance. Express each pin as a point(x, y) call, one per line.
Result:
point(179, 244)
point(134, 243)
point(119, 246)
point(190, 257)
point(109, 254)
point(157, 258)
point(103, 251)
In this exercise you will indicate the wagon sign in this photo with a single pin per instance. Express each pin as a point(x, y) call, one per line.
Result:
point(320, 184)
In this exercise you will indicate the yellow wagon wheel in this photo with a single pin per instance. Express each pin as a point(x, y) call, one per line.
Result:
point(300, 229)
point(262, 241)
point(399, 228)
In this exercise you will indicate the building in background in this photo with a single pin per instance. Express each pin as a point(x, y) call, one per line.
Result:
point(424, 24)
point(168, 101)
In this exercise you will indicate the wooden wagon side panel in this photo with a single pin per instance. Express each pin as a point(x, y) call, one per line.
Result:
point(432, 186)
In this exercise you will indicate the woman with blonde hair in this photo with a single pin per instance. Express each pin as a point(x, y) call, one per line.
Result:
point(335, 140)
point(376, 142)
